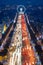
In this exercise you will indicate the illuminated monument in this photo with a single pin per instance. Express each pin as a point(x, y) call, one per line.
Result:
point(21, 9)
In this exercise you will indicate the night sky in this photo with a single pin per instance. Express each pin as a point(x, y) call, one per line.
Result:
point(21, 2)
point(37, 7)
